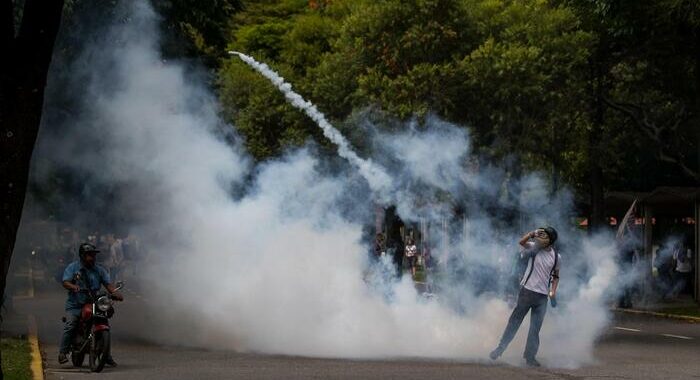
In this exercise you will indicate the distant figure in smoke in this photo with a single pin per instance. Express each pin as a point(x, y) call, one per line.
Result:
point(682, 269)
point(629, 243)
point(542, 271)
point(114, 260)
point(662, 269)
point(412, 255)
point(397, 252)
point(379, 250)
point(628, 261)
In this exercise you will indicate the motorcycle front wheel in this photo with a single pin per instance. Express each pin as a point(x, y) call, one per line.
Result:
point(77, 357)
point(99, 350)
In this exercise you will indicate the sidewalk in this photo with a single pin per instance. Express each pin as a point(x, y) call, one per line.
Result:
point(684, 308)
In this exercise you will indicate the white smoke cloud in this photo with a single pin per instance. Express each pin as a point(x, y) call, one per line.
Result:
point(282, 268)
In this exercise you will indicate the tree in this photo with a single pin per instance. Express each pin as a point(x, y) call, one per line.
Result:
point(657, 82)
point(511, 71)
point(601, 94)
point(398, 55)
point(638, 104)
point(23, 71)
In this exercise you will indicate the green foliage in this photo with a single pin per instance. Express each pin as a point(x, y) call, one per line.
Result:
point(306, 41)
point(644, 70)
point(532, 79)
point(201, 25)
point(263, 40)
point(262, 115)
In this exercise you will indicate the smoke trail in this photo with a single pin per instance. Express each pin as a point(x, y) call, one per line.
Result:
point(378, 179)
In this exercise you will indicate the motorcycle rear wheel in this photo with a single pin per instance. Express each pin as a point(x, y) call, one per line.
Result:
point(99, 350)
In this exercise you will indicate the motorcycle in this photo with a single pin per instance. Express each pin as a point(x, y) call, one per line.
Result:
point(93, 335)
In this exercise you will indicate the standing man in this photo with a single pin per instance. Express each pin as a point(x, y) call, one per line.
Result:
point(379, 249)
point(116, 255)
point(542, 270)
point(682, 269)
point(412, 255)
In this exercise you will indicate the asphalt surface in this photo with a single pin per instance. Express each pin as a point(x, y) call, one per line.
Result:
point(634, 347)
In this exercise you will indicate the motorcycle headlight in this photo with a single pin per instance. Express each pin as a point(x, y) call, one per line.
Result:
point(104, 303)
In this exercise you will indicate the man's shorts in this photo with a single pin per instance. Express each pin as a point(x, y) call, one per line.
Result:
point(412, 261)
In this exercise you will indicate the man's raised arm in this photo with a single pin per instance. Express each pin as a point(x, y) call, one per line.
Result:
point(525, 238)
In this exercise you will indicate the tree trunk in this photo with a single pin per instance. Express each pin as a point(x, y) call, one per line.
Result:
point(597, 196)
point(23, 72)
point(696, 102)
point(554, 157)
point(596, 218)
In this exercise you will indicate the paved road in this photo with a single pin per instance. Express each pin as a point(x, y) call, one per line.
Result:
point(635, 347)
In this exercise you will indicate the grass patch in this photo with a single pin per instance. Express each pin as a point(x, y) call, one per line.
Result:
point(16, 358)
point(693, 311)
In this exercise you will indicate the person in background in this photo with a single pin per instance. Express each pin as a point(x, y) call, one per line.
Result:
point(379, 249)
point(427, 257)
point(113, 261)
point(662, 269)
point(682, 269)
point(542, 271)
point(131, 247)
point(411, 255)
point(628, 260)
point(396, 250)
point(94, 238)
point(629, 243)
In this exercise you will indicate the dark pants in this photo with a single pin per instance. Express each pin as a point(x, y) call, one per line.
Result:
point(527, 300)
point(69, 329)
point(680, 283)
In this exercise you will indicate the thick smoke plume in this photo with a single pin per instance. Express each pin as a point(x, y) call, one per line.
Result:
point(271, 258)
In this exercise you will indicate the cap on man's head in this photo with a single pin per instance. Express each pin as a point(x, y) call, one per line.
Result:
point(87, 248)
point(552, 233)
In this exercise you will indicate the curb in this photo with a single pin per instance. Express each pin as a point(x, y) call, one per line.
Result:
point(36, 366)
point(686, 318)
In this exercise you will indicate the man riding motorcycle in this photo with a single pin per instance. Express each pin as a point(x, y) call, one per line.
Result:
point(94, 276)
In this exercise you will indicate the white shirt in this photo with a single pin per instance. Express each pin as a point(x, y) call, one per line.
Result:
point(537, 278)
point(411, 250)
point(683, 264)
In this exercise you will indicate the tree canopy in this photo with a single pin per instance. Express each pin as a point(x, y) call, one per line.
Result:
point(596, 93)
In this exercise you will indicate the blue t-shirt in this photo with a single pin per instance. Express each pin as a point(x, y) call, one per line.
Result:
point(93, 278)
